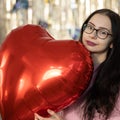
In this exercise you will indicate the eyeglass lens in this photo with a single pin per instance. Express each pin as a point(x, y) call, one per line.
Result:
point(101, 33)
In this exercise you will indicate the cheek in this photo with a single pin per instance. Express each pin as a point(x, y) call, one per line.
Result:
point(104, 45)
point(83, 37)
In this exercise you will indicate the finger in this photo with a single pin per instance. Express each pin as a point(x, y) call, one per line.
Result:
point(53, 114)
point(37, 117)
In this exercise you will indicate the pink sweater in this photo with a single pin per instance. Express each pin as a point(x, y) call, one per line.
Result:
point(75, 112)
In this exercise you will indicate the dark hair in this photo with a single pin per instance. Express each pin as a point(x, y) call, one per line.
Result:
point(104, 93)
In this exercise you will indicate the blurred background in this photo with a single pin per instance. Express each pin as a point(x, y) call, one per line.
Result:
point(61, 18)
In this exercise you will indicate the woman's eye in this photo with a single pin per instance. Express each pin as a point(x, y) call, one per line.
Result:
point(104, 32)
point(90, 27)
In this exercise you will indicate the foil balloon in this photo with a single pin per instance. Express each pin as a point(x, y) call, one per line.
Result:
point(38, 72)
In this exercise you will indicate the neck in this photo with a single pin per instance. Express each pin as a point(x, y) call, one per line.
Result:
point(98, 58)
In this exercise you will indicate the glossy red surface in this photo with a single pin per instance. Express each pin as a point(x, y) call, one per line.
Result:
point(38, 72)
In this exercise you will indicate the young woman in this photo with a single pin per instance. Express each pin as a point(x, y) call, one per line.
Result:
point(100, 34)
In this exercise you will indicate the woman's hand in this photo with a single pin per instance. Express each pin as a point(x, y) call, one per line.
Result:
point(54, 116)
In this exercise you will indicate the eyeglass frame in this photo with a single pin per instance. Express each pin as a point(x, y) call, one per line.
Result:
point(97, 30)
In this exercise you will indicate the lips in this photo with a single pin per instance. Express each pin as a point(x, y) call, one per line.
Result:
point(90, 43)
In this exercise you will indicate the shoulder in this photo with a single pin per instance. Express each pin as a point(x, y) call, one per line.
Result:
point(115, 115)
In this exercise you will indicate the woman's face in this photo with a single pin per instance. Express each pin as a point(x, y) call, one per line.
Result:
point(92, 41)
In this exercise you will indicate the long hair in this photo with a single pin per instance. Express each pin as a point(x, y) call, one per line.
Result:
point(104, 92)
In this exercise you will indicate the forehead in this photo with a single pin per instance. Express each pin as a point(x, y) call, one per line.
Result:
point(100, 20)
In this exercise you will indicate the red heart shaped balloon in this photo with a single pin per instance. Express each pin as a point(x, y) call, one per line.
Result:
point(38, 72)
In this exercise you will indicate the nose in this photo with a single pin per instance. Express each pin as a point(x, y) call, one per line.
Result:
point(94, 34)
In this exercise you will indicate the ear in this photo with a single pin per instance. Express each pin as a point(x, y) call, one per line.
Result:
point(111, 45)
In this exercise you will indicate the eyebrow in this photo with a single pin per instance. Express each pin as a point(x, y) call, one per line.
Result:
point(100, 27)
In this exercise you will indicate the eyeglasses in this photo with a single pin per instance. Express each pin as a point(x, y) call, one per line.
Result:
point(100, 33)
